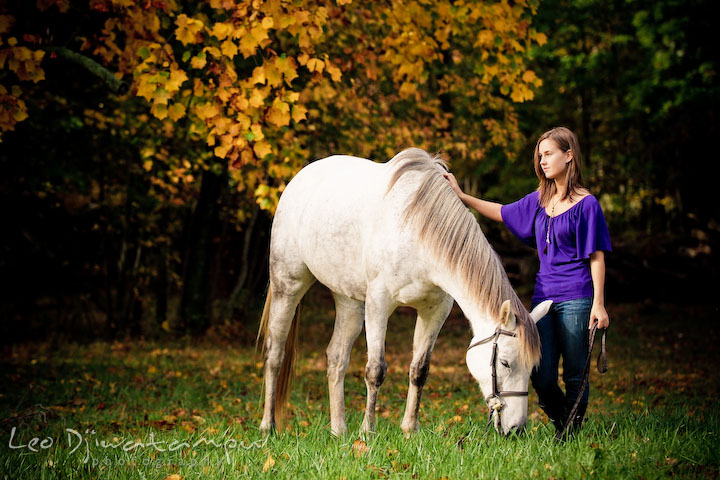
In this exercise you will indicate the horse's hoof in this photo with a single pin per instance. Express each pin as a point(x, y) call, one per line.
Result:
point(409, 432)
point(366, 431)
point(339, 432)
point(267, 428)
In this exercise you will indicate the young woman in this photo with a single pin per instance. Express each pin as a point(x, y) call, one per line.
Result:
point(567, 226)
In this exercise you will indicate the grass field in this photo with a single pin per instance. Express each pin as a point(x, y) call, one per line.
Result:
point(191, 409)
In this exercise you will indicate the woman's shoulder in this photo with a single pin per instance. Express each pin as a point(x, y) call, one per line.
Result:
point(581, 193)
point(587, 205)
point(585, 198)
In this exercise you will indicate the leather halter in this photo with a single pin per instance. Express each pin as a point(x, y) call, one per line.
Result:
point(497, 394)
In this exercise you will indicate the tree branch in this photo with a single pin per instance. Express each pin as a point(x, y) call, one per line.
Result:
point(116, 85)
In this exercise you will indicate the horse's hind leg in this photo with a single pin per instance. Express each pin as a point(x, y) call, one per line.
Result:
point(427, 328)
point(286, 295)
point(348, 325)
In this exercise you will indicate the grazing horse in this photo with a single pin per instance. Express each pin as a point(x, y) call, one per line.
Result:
point(381, 235)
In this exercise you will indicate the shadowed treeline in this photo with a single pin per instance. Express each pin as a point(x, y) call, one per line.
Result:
point(144, 147)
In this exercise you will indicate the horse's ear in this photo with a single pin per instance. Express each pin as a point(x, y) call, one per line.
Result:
point(540, 310)
point(507, 317)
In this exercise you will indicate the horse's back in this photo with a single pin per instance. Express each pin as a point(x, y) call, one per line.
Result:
point(323, 218)
point(340, 186)
point(338, 220)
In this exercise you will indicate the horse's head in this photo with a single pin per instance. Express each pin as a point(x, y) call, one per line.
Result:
point(494, 360)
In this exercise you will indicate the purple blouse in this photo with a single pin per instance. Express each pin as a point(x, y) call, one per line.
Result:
point(574, 234)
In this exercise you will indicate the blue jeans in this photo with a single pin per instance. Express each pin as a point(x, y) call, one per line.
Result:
point(563, 332)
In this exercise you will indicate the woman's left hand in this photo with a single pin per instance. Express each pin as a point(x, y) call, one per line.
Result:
point(599, 315)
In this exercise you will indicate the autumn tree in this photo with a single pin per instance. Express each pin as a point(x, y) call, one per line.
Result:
point(227, 100)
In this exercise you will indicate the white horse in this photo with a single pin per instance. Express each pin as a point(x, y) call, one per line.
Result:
point(379, 236)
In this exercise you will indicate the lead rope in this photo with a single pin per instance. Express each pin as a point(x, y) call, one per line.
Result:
point(602, 368)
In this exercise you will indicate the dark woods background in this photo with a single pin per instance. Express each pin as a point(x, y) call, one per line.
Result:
point(87, 252)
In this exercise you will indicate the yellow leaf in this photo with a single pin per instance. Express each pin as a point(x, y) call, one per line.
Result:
point(188, 29)
point(279, 114)
point(303, 58)
point(529, 76)
point(221, 124)
point(161, 96)
point(257, 98)
point(258, 75)
point(176, 111)
point(147, 165)
point(146, 86)
point(333, 70)
point(243, 121)
point(407, 89)
point(229, 48)
point(222, 30)
point(248, 45)
point(159, 110)
point(269, 463)
point(198, 61)
point(278, 118)
point(177, 78)
point(166, 326)
point(287, 67)
point(174, 476)
point(198, 87)
point(299, 113)
point(485, 38)
point(206, 111)
point(343, 2)
point(221, 150)
point(267, 23)
point(214, 51)
point(315, 65)
point(262, 149)
point(246, 156)
point(520, 93)
point(20, 114)
point(259, 33)
point(257, 131)
point(541, 38)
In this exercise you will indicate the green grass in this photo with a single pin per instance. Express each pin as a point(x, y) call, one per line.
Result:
point(653, 415)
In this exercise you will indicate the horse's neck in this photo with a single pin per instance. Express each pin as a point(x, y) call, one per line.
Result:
point(477, 313)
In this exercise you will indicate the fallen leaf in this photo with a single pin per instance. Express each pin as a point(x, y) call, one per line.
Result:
point(268, 464)
point(359, 448)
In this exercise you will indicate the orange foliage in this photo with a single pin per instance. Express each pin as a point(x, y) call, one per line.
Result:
point(265, 83)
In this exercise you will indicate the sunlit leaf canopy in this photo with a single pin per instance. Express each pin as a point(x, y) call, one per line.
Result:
point(267, 86)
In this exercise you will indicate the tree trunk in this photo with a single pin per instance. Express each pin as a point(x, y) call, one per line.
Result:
point(195, 307)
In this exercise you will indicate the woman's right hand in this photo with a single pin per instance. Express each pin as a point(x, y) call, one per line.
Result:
point(453, 183)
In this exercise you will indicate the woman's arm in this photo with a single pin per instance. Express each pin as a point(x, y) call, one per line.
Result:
point(597, 271)
point(484, 207)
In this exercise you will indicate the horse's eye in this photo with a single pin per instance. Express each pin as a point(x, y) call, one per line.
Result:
point(505, 363)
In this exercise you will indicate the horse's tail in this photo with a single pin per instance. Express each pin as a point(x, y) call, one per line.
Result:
point(287, 369)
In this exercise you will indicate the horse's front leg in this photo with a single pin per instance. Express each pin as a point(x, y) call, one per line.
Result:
point(377, 311)
point(429, 322)
point(348, 325)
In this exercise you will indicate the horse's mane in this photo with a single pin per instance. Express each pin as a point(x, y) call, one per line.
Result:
point(451, 234)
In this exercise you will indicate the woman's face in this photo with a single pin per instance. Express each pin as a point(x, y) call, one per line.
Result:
point(553, 160)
